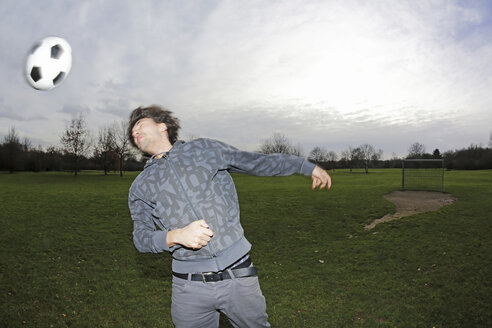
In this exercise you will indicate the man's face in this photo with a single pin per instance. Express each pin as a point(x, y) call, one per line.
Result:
point(149, 136)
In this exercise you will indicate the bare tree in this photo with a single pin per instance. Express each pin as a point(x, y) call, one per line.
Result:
point(76, 140)
point(26, 145)
point(378, 155)
point(352, 156)
point(318, 155)
point(368, 154)
point(416, 150)
point(345, 158)
point(332, 157)
point(122, 143)
point(104, 149)
point(297, 150)
point(277, 143)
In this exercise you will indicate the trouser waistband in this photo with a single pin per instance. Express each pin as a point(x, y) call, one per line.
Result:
point(242, 270)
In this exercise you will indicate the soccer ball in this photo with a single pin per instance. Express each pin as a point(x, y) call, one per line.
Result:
point(48, 63)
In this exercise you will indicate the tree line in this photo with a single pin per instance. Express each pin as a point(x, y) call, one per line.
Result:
point(366, 156)
point(110, 150)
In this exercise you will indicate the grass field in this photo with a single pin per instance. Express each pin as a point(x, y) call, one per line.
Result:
point(67, 257)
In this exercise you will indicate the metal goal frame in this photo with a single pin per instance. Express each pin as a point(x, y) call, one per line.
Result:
point(404, 170)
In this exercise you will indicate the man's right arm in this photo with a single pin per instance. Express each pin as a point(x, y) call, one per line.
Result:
point(146, 238)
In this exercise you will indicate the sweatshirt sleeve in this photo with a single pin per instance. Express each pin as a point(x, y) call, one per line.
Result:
point(262, 164)
point(146, 237)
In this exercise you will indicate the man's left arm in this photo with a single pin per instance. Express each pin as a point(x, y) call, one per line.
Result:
point(271, 164)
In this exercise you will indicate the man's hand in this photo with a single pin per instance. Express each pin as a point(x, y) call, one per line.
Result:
point(195, 235)
point(321, 179)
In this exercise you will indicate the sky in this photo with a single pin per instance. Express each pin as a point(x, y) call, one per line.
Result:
point(333, 74)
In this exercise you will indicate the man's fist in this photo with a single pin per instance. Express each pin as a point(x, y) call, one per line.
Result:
point(321, 179)
point(195, 235)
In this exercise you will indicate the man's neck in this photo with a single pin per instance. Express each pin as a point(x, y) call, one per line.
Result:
point(163, 151)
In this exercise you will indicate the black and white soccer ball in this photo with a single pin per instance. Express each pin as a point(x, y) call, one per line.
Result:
point(48, 63)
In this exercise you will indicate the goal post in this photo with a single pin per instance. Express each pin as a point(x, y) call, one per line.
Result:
point(422, 174)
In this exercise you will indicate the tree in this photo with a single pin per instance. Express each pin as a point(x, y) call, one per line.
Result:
point(53, 159)
point(12, 149)
point(296, 150)
point(122, 143)
point(318, 155)
point(277, 143)
point(332, 158)
point(490, 140)
point(416, 150)
point(323, 158)
point(34, 158)
point(346, 158)
point(352, 156)
point(76, 141)
point(472, 158)
point(378, 155)
point(368, 154)
point(104, 150)
point(436, 153)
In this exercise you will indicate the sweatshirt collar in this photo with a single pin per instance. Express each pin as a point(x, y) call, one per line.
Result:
point(153, 159)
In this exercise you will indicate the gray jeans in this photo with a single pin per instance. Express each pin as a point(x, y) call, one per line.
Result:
point(197, 304)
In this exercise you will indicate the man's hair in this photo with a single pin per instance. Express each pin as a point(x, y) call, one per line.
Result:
point(159, 115)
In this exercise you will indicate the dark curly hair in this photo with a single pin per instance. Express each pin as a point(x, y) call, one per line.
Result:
point(159, 115)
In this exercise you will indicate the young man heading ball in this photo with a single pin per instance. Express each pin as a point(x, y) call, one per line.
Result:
point(185, 202)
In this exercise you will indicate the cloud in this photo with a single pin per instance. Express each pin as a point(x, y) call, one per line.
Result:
point(75, 109)
point(321, 72)
point(286, 55)
point(7, 112)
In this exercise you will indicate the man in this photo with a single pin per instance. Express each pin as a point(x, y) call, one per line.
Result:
point(185, 202)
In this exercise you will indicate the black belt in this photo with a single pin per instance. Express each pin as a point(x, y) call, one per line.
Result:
point(242, 270)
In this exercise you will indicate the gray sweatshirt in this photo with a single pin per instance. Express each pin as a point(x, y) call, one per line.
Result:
point(192, 182)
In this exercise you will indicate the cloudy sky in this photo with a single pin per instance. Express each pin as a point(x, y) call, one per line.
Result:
point(323, 73)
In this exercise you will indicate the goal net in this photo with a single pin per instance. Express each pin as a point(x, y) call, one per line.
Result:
point(423, 174)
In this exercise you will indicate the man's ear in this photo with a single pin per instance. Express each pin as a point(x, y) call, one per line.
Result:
point(162, 127)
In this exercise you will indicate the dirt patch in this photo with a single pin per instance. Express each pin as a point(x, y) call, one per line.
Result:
point(413, 202)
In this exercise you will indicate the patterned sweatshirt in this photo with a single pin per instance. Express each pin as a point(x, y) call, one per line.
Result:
point(192, 182)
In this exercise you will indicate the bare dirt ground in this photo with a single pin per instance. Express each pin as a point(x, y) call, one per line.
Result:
point(413, 202)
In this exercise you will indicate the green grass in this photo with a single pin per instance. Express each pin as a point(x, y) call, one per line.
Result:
point(67, 257)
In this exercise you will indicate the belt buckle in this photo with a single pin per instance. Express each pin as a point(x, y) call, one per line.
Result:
point(204, 274)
